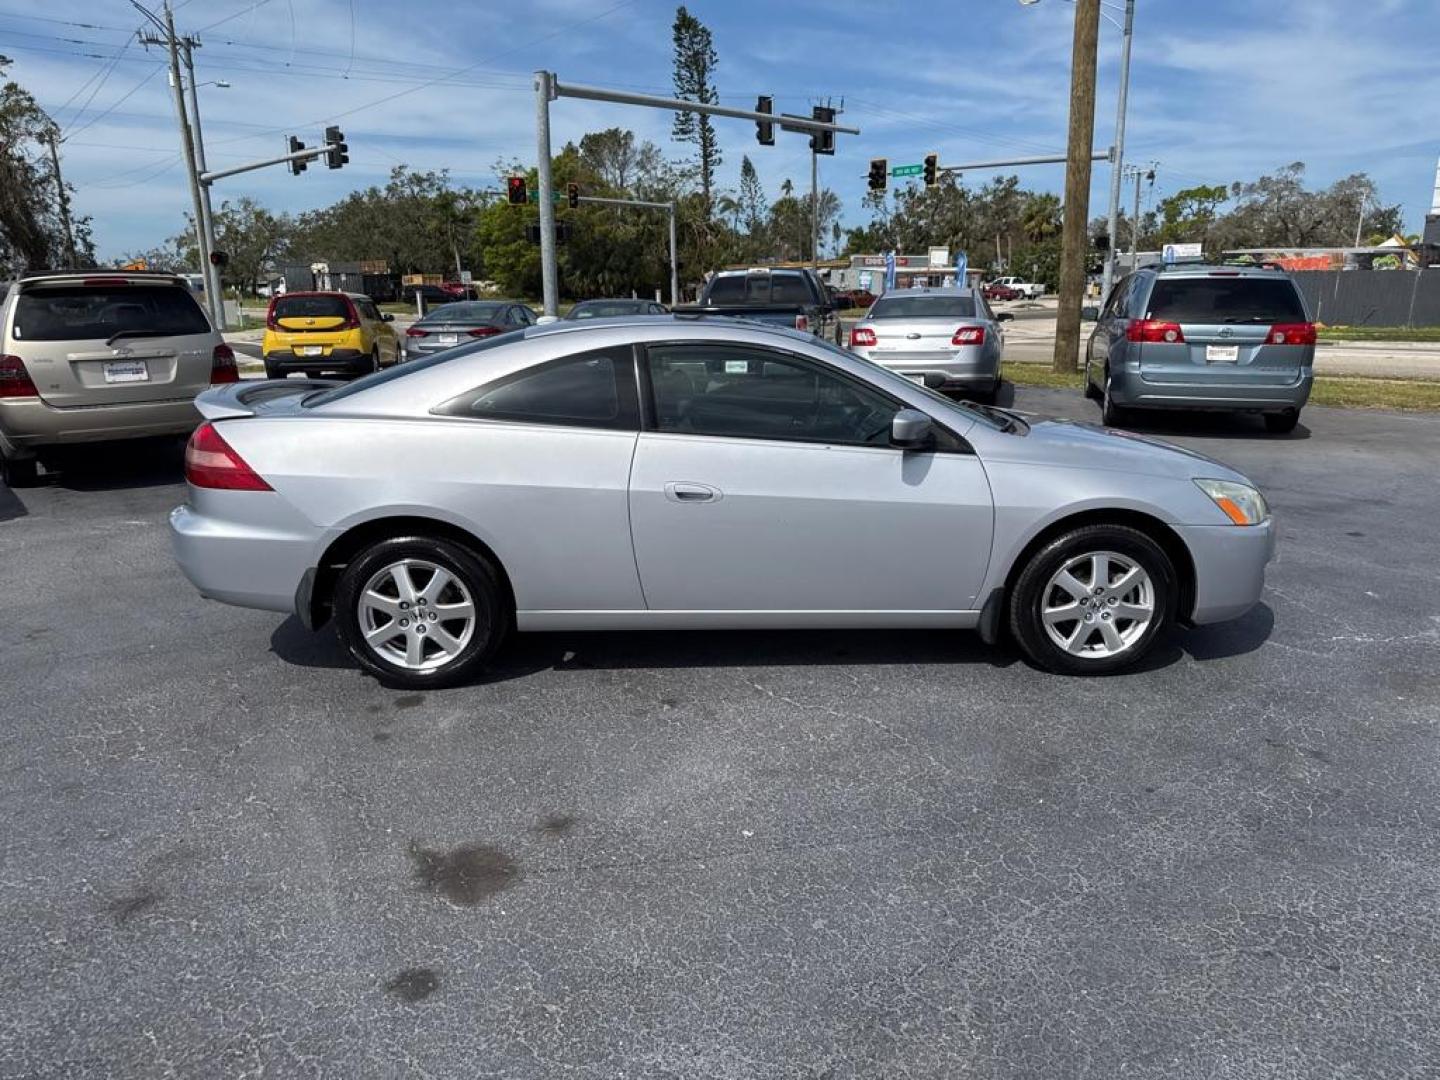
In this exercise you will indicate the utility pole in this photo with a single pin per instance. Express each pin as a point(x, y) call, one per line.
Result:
point(213, 288)
point(814, 210)
point(1117, 164)
point(1135, 223)
point(549, 278)
point(63, 197)
point(1077, 184)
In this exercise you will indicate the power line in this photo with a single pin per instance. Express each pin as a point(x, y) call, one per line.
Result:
point(116, 103)
point(236, 15)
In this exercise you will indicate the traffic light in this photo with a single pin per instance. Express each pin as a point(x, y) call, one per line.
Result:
point(515, 191)
point(297, 166)
point(823, 142)
point(572, 195)
point(219, 258)
point(932, 169)
point(764, 130)
point(339, 152)
point(879, 170)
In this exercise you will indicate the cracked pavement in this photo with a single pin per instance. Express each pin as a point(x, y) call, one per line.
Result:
point(858, 854)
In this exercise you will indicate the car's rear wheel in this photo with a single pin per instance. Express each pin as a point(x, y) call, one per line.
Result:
point(1111, 414)
point(1282, 423)
point(1090, 391)
point(19, 472)
point(1093, 600)
point(420, 612)
point(374, 359)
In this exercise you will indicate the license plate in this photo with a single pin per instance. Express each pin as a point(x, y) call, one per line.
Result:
point(1222, 354)
point(916, 379)
point(449, 339)
point(312, 350)
point(126, 371)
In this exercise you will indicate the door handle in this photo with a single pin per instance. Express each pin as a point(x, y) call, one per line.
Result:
point(687, 492)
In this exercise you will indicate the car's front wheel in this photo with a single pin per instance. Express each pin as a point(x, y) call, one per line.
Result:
point(420, 612)
point(1093, 600)
point(19, 472)
point(1282, 423)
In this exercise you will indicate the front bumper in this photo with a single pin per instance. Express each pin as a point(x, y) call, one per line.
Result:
point(283, 362)
point(28, 423)
point(1229, 567)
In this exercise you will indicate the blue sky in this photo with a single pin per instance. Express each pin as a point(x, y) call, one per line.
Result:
point(1220, 89)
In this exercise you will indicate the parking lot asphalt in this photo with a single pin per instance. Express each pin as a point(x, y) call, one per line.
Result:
point(860, 854)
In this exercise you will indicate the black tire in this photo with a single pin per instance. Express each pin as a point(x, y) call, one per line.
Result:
point(1028, 597)
point(1282, 423)
point(1090, 391)
point(19, 472)
point(480, 579)
point(272, 372)
point(1111, 414)
point(374, 359)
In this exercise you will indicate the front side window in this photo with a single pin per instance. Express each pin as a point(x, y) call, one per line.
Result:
point(82, 313)
point(595, 389)
point(751, 393)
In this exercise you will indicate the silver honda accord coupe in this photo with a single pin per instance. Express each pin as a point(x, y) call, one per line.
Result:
point(693, 472)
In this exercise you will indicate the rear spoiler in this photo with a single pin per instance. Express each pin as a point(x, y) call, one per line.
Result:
point(245, 398)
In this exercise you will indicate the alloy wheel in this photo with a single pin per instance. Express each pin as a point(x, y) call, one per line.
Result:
point(1098, 605)
point(416, 614)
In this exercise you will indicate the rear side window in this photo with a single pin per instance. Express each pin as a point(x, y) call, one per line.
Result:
point(727, 290)
point(82, 313)
point(311, 307)
point(923, 307)
point(595, 389)
point(788, 289)
point(1225, 300)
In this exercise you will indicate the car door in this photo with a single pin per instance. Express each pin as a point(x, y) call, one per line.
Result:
point(1109, 328)
point(765, 482)
point(378, 330)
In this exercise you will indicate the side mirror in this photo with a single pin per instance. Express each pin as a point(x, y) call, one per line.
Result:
point(386, 316)
point(1005, 316)
point(1090, 313)
point(911, 429)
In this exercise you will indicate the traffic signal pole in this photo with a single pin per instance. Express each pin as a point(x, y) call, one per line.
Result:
point(548, 88)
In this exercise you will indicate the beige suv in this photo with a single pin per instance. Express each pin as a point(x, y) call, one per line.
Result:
point(97, 355)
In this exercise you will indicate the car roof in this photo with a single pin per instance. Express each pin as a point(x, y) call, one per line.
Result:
point(94, 274)
point(1215, 269)
point(650, 324)
point(322, 292)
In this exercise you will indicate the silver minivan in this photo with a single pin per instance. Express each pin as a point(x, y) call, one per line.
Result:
point(96, 355)
point(1191, 336)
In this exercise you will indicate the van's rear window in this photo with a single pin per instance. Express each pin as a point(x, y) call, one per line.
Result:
point(84, 313)
point(311, 307)
point(1225, 300)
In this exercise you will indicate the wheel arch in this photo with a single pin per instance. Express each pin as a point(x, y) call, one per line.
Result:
point(361, 535)
point(1153, 527)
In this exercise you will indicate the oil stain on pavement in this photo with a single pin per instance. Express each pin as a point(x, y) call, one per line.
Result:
point(465, 875)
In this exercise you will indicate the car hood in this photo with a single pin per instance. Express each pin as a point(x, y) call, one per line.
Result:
point(1070, 444)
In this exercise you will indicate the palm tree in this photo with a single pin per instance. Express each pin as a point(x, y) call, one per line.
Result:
point(1040, 219)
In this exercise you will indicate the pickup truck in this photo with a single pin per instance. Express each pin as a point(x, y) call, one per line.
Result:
point(1028, 289)
point(792, 298)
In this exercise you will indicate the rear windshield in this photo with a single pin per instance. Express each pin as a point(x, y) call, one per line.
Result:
point(759, 289)
point(465, 310)
point(1225, 300)
point(923, 307)
point(311, 307)
point(81, 312)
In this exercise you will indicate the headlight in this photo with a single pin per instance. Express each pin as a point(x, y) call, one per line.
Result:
point(1241, 503)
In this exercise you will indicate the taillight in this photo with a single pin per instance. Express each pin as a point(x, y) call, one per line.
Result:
point(1291, 334)
point(211, 463)
point(1152, 330)
point(802, 323)
point(15, 381)
point(271, 323)
point(352, 320)
point(483, 331)
point(969, 335)
point(416, 332)
point(863, 336)
point(222, 365)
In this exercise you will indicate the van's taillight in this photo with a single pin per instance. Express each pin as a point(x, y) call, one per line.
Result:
point(1291, 334)
point(222, 365)
point(863, 336)
point(969, 335)
point(415, 331)
point(211, 463)
point(1153, 330)
point(15, 381)
point(483, 331)
point(802, 323)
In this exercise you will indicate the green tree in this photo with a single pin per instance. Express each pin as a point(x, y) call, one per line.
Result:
point(695, 62)
point(1187, 216)
point(751, 199)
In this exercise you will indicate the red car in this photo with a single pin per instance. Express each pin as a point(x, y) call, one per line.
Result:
point(857, 298)
point(1000, 292)
point(458, 290)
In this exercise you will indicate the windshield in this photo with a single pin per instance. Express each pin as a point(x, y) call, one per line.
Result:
point(923, 307)
point(400, 371)
point(1225, 300)
point(311, 307)
point(81, 312)
point(604, 309)
point(465, 311)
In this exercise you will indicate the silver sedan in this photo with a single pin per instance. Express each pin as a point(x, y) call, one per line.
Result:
point(696, 473)
point(946, 339)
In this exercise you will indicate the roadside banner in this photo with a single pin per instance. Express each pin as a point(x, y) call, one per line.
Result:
point(961, 262)
point(889, 270)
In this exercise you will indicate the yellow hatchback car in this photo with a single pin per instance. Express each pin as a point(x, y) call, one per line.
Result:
point(327, 333)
